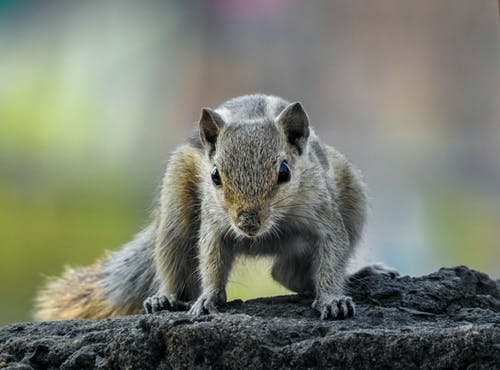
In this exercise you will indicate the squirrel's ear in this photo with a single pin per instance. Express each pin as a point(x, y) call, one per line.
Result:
point(210, 124)
point(295, 123)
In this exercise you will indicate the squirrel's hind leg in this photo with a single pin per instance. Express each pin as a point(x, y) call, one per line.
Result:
point(375, 269)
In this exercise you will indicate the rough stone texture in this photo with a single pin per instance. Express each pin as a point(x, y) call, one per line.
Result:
point(448, 319)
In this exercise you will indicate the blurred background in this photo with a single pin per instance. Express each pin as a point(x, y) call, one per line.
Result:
point(94, 95)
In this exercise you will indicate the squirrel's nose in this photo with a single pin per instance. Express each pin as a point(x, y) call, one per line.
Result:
point(248, 221)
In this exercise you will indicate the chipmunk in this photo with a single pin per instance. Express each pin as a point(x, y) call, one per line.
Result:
point(255, 180)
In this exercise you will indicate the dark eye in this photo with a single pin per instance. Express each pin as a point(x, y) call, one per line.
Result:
point(284, 172)
point(216, 177)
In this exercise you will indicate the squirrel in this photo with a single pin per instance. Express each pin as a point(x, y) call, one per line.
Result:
point(254, 180)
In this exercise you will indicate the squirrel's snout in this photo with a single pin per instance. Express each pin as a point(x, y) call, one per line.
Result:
point(248, 222)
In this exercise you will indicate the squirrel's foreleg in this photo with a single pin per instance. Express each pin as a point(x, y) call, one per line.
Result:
point(216, 260)
point(333, 250)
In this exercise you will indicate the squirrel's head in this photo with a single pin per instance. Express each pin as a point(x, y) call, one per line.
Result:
point(255, 165)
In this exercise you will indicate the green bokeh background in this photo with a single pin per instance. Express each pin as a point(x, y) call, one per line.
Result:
point(94, 95)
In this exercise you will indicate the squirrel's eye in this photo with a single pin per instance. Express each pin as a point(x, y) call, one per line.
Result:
point(284, 172)
point(216, 177)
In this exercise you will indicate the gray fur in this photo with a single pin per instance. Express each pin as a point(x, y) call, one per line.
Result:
point(251, 107)
point(129, 272)
point(320, 154)
point(309, 224)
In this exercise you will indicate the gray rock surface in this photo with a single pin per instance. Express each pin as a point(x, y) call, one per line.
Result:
point(448, 319)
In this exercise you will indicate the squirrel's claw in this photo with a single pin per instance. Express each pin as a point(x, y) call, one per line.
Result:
point(156, 303)
point(206, 303)
point(159, 303)
point(336, 308)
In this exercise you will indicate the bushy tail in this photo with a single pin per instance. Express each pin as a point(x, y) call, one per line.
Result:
point(75, 295)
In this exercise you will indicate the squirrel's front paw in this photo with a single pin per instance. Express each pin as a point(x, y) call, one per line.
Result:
point(334, 308)
point(161, 302)
point(206, 303)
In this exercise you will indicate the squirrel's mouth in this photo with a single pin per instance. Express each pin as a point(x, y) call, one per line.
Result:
point(251, 232)
point(248, 231)
point(251, 229)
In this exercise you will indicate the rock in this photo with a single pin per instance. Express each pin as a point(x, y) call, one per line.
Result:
point(448, 319)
